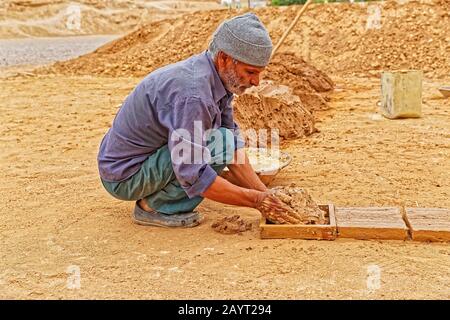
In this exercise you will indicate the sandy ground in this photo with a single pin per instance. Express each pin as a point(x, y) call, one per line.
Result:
point(56, 217)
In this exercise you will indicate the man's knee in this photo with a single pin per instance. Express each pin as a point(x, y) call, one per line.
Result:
point(228, 149)
point(117, 190)
point(221, 145)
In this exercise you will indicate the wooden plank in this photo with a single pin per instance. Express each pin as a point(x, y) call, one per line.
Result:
point(429, 224)
point(301, 231)
point(383, 223)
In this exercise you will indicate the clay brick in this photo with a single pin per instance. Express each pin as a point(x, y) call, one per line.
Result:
point(384, 223)
point(429, 224)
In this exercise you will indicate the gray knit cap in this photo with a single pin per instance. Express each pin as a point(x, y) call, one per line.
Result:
point(245, 39)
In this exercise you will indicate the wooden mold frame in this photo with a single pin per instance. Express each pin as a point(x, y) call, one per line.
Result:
point(301, 231)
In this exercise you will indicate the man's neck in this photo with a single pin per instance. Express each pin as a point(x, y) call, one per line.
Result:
point(215, 63)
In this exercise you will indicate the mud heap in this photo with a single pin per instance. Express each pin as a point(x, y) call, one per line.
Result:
point(367, 37)
point(300, 207)
point(150, 47)
point(307, 82)
point(263, 107)
point(231, 225)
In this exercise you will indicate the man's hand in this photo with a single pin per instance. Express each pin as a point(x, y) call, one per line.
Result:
point(274, 210)
point(271, 207)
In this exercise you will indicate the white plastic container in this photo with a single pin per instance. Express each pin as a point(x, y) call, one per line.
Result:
point(401, 94)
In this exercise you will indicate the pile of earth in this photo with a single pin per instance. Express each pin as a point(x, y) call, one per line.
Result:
point(338, 38)
point(270, 106)
point(365, 38)
point(231, 225)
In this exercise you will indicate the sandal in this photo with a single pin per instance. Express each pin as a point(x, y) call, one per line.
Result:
point(155, 218)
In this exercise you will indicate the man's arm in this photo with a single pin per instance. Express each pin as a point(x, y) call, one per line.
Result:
point(243, 173)
point(184, 120)
point(225, 192)
point(270, 206)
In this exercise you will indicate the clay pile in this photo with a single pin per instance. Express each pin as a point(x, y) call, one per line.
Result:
point(301, 208)
point(307, 82)
point(365, 38)
point(231, 225)
point(271, 106)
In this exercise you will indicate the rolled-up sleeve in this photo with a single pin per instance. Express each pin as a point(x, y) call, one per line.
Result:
point(186, 121)
point(229, 123)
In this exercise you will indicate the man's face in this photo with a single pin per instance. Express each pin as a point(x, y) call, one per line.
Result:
point(237, 76)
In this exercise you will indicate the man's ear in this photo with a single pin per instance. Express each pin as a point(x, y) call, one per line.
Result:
point(222, 59)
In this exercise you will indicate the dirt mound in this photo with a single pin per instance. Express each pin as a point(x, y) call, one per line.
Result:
point(271, 106)
point(231, 225)
point(307, 82)
point(364, 38)
point(339, 38)
point(157, 44)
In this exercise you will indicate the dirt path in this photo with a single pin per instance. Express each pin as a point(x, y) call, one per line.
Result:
point(38, 51)
point(56, 217)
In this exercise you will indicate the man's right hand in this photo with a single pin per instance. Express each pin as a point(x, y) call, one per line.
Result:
point(272, 208)
point(275, 210)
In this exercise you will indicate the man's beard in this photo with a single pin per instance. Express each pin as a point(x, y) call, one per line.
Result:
point(232, 83)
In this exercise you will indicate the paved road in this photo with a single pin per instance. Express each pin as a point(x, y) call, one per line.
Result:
point(39, 51)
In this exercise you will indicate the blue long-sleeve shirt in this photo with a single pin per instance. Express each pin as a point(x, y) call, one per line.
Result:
point(169, 98)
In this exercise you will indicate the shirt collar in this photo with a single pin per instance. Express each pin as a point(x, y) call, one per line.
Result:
point(218, 89)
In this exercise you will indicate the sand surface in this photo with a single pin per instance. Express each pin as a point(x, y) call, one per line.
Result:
point(56, 217)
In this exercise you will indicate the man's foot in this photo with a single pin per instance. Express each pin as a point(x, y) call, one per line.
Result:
point(144, 215)
point(143, 205)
